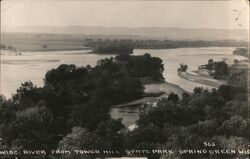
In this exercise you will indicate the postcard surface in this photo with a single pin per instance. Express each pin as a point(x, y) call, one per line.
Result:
point(124, 79)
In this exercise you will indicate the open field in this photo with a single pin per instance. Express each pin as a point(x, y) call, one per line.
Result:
point(42, 42)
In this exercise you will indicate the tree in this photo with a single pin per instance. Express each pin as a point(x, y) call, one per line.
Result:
point(30, 129)
point(78, 139)
point(173, 97)
point(227, 91)
point(27, 95)
point(90, 114)
point(183, 68)
point(3, 46)
point(238, 78)
point(221, 70)
point(10, 47)
point(235, 126)
point(210, 61)
point(105, 137)
point(210, 64)
point(198, 90)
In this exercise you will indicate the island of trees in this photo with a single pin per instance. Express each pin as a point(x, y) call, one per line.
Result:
point(216, 69)
point(71, 112)
point(183, 68)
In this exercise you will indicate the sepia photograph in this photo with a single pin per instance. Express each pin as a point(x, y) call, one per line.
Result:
point(124, 79)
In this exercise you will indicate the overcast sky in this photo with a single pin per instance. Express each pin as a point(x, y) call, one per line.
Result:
point(183, 14)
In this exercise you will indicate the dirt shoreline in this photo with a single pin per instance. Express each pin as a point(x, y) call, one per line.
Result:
point(202, 79)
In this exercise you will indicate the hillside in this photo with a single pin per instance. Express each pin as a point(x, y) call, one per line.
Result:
point(145, 32)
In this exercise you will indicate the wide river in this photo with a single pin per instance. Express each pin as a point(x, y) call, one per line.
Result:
point(32, 66)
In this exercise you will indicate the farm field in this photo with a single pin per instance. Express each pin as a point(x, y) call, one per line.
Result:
point(42, 42)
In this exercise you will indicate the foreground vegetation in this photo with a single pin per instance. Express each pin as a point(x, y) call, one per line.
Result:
point(38, 118)
point(71, 112)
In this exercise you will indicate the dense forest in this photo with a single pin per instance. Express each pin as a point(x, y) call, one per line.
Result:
point(71, 112)
point(210, 120)
point(218, 117)
point(126, 46)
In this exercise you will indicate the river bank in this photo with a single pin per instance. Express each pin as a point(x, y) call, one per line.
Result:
point(202, 79)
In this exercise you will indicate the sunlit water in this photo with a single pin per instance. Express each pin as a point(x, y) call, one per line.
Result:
point(33, 66)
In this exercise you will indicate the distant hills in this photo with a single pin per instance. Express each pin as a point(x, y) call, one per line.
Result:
point(140, 32)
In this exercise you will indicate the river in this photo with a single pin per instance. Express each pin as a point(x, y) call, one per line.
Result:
point(33, 66)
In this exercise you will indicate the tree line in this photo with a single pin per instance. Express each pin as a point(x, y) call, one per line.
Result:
point(126, 46)
point(8, 47)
